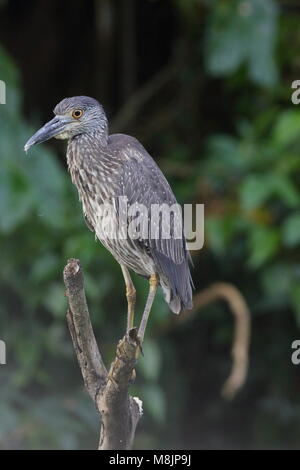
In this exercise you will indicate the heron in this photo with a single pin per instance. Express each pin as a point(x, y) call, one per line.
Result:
point(106, 168)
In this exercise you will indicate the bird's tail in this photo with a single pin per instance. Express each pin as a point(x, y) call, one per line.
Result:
point(177, 285)
point(173, 301)
point(177, 302)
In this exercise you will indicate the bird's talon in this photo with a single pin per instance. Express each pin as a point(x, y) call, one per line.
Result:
point(141, 349)
point(132, 333)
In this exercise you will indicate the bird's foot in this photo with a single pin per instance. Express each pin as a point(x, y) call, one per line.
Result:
point(132, 335)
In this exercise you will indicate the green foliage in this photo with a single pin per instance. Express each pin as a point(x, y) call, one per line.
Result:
point(242, 32)
point(291, 230)
point(265, 199)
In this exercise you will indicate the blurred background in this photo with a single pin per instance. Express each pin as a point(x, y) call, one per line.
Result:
point(206, 87)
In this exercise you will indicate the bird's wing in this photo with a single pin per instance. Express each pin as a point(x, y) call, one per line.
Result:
point(143, 182)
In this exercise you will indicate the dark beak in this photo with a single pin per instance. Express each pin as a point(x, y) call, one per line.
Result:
point(54, 127)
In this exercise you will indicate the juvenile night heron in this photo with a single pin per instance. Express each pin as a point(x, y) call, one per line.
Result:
point(105, 168)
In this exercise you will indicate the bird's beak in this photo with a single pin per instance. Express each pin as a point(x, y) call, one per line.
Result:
point(56, 126)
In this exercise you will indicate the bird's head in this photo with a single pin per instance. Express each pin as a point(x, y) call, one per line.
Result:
point(73, 116)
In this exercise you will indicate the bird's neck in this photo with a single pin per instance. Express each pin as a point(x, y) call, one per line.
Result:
point(83, 146)
point(97, 137)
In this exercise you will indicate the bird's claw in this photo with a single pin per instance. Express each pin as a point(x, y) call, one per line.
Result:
point(132, 335)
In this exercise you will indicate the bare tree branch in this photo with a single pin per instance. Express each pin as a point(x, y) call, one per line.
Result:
point(119, 412)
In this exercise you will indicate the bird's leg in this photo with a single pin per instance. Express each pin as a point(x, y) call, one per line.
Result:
point(131, 297)
point(153, 282)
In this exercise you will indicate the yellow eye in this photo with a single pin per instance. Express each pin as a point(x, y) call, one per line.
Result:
point(77, 113)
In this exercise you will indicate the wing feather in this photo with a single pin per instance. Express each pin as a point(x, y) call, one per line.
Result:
point(143, 182)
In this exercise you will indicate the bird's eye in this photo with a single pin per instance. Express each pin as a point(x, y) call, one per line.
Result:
point(77, 113)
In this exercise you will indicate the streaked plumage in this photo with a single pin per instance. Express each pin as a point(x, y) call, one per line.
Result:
point(104, 167)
